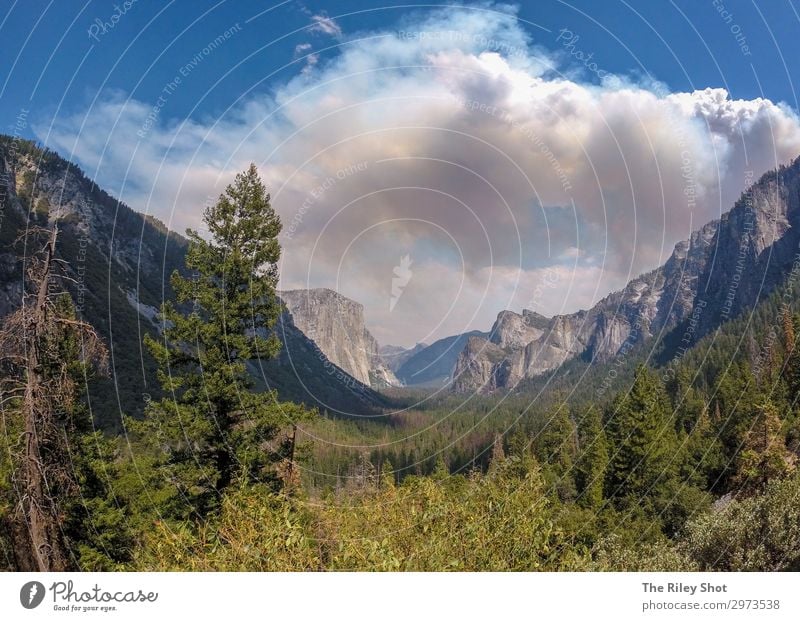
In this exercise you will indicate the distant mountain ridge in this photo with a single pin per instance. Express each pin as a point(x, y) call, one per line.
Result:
point(725, 267)
point(433, 365)
point(394, 356)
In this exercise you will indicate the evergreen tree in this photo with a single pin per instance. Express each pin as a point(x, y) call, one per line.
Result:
point(211, 428)
point(704, 459)
point(764, 456)
point(592, 461)
point(47, 355)
point(737, 398)
point(791, 369)
point(643, 440)
point(498, 453)
point(387, 475)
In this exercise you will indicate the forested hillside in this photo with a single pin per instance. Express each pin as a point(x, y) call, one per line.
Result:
point(664, 458)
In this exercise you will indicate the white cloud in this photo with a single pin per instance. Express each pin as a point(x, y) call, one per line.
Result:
point(323, 23)
point(453, 141)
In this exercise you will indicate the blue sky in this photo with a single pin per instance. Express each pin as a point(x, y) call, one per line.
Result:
point(536, 155)
point(687, 44)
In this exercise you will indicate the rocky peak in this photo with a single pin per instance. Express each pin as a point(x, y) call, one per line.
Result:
point(513, 331)
point(395, 356)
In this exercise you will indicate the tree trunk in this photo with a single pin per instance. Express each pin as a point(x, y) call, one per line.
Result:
point(44, 526)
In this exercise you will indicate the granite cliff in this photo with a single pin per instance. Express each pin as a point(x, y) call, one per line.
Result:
point(336, 324)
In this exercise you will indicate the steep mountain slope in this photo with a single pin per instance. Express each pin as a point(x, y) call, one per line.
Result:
point(433, 365)
point(724, 268)
point(120, 262)
point(117, 259)
point(336, 324)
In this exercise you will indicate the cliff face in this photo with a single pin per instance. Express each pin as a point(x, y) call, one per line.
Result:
point(336, 324)
point(723, 269)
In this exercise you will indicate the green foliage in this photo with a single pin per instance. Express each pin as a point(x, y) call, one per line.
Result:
point(498, 522)
point(759, 533)
point(763, 457)
point(644, 442)
point(592, 463)
point(602, 474)
point(211, 429)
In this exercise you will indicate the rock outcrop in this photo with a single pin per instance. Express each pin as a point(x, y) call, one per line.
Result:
point(119, 262)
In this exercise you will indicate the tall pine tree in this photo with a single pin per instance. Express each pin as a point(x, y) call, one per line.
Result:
point(592, 460)
point(642, 432)
point(211, 429)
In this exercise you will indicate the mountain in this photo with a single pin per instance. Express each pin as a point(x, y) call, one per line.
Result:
point(336, 324)
point(723, 269)
point(433, 365)
point(394, 356)
point(302, 373)
point(120, 262)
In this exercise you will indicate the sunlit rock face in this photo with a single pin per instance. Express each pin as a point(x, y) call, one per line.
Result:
point(336, 324)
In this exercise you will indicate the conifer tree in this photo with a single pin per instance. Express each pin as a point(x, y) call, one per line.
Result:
point(644, 443)
point(498, 453)
point(45, 352)
point(387, 475)
point(211, 428)
point(704, 459)
point(764, 456)
point(592, 461)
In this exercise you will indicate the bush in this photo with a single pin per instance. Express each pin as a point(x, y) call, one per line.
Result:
point(760, 533)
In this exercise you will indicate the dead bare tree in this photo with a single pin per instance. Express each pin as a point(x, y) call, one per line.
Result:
point(38, 381)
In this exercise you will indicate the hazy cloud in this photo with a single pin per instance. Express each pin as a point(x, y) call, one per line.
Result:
point(455, 142)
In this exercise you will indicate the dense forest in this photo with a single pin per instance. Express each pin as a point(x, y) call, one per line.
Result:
point(685, 461)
